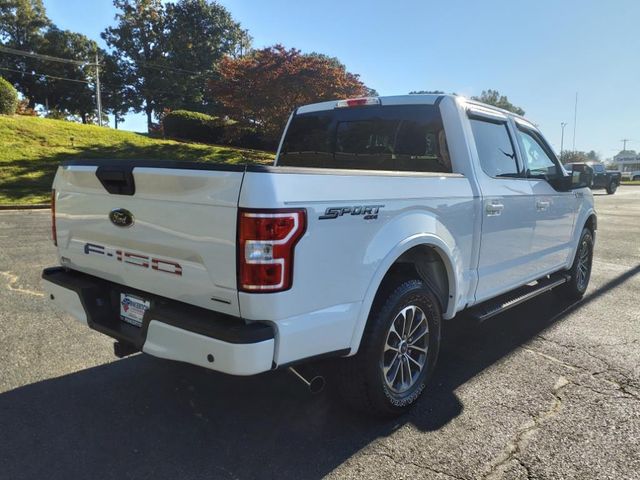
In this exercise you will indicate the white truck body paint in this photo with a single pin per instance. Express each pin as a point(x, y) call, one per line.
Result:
point(189, 216)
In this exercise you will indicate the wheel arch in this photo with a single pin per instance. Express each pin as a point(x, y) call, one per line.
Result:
point(436, 268)
point(588, 220)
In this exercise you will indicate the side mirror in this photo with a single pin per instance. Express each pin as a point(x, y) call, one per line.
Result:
point(573, 181)
point(580, 179)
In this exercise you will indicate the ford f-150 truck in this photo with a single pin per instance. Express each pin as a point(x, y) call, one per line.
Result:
point(380, 218)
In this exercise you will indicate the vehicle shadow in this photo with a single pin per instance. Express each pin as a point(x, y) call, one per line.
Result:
point(143, 417)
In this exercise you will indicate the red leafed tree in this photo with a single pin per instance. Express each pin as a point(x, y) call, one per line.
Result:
point(265, 86)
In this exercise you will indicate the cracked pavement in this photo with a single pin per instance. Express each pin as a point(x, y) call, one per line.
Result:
point(548, 390)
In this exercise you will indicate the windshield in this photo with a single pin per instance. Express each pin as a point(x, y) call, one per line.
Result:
point(398, 137)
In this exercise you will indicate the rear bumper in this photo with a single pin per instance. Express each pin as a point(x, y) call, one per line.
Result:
point(170, 329)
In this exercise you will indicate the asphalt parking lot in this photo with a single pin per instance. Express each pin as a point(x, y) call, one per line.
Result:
point(548, 390)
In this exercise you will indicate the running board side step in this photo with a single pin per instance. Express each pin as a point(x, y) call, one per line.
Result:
point(515, 297)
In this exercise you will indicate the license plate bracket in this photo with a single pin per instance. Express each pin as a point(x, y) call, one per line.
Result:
point(133, 308)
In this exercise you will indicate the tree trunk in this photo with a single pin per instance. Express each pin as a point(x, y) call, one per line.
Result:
point(149, 111)
point(84, 118)
point(115, 120)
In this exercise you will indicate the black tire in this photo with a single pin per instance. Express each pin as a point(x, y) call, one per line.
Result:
point(612, 187)
point(575, 288)
point(362, 381)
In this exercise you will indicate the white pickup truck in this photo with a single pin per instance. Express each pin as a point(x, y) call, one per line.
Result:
point(380, 218)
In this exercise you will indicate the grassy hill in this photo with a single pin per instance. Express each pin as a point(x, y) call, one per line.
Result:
point(31, 149)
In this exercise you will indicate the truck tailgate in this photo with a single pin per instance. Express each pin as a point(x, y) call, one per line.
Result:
point(172, 233)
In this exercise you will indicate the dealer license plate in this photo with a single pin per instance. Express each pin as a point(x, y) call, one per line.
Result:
point(132, 309)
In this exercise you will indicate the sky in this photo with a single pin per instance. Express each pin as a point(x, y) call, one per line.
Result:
point(538, 53)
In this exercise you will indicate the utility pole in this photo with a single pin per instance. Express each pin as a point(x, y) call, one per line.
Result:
point(98, 96)
point(624, 143)
point(562, 125)
point(575, 122)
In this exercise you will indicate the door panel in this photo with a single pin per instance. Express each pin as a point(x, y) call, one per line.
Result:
point(508, 216)
point(555, 212)
point(507, 228)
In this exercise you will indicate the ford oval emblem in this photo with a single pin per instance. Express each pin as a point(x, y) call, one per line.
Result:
point(121, 217)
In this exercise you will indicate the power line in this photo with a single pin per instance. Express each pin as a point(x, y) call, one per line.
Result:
point(35, 74)
point(40, 56)
point(108, 86)
point(157, 66)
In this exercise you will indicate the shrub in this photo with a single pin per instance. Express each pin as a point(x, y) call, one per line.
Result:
point(245, 136)
point(8, 98)
point(56, 114)
point(200, 127)
point(195, 126)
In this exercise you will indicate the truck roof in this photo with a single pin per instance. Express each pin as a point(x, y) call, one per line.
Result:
point(410, 99)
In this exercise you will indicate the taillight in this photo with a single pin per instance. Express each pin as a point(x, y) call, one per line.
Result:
point(266, 241)
point(54, 232)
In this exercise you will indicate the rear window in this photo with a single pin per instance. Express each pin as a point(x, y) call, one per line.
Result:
point(398, 137)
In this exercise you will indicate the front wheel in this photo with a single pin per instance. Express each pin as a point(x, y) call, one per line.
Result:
point(612, 187)
point(580, 271)
point(397, 354)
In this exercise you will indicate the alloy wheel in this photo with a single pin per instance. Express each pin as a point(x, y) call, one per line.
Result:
point(584, 265)
point(405, 350)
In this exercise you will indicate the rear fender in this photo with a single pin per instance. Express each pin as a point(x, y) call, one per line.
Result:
point(399, 247)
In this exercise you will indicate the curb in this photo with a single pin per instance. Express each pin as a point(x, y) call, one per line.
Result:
point(37, 206)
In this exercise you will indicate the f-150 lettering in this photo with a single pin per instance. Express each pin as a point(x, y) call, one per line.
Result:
point(131, 258)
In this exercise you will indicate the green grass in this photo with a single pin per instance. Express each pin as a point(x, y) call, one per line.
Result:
point(630, 182)
point(31, 148)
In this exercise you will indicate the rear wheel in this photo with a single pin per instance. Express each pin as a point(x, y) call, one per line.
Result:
point(580, 270)
point(612, 187)
point(397, 354)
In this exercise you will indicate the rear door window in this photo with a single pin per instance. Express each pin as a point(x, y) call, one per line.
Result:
point(398, 137)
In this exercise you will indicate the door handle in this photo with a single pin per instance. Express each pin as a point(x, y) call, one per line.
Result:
point(494, 209)
point(541, 205)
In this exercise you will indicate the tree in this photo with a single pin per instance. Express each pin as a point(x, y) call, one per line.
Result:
point(170, 50)
point(263, 87)
point(139, 38)
point(22, 26)
point(199, 34)
point(571, 156)
point(493, 97)
point(593, 156)
point(74, 95)
point(118, 95)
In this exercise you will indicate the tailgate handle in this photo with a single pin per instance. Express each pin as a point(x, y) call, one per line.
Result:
point(117, 180)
